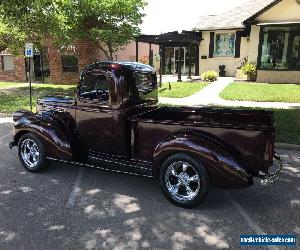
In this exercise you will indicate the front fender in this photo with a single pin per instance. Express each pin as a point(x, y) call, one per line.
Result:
point(51, 130)
point(222, 167)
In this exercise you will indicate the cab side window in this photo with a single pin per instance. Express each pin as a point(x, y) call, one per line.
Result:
point(95, 86)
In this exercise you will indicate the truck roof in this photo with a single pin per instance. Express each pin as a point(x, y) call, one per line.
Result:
point(134, 66)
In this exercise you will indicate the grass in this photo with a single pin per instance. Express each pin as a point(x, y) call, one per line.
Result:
point(262, 92)
point(180, 89)
point(12, 84)
point(12, 99)
point(287, 122)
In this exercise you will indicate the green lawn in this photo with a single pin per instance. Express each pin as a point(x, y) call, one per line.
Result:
point(262, 92)
point(287, 122)
point(180, 89)
point(16, 98)
point(12, 84)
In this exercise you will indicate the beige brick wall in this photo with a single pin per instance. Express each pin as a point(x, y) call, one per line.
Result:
point(271, 76)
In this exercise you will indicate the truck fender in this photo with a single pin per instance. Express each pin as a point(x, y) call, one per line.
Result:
point(50, 128)
point(223, 169)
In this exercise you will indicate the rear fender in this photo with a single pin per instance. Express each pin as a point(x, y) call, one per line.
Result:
point(222, 167)
point(52, 129)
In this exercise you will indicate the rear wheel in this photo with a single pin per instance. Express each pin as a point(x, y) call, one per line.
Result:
point(31, 153)
point(184, 180)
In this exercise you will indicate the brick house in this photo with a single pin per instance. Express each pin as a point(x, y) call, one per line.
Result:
point(50, 66)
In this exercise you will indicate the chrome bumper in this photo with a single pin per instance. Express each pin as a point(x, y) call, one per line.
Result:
point(270, 178)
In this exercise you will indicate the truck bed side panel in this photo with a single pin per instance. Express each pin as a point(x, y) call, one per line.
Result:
point(247, 145)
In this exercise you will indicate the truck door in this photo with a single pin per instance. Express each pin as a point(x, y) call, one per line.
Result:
point(94, 115)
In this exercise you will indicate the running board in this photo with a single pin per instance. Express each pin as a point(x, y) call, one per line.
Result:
point(114, 170)
point(122, 164)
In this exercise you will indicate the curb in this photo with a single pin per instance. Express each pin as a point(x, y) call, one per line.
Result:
point(287, 146)
point(6, 120)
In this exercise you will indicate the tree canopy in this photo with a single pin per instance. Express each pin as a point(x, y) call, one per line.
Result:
point(110, 24)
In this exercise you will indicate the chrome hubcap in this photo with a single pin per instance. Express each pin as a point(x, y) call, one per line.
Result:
point(30, 153)
point(182, 181)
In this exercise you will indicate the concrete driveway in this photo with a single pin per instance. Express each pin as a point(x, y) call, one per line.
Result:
point(65, 207)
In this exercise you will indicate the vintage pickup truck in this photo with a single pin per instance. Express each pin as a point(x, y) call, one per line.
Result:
point(115, 124)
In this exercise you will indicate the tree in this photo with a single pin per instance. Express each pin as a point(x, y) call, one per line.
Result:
point(11, 37)
point(110, 24)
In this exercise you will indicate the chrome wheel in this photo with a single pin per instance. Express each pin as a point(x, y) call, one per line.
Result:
point(182, 181)
point(30, 153)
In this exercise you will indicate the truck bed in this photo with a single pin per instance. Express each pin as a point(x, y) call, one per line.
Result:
point(245, 133)
point(227, 118)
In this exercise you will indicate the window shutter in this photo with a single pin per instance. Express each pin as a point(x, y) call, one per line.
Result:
point(237, 44)
point(212, 44)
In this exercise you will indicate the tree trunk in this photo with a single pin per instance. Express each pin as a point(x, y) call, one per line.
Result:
point(110, 49)
point(105, 52)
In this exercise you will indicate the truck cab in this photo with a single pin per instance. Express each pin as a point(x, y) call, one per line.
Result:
point(107, 95)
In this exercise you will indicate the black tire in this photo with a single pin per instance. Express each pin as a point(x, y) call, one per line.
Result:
point(40, 161)
point(199, 186)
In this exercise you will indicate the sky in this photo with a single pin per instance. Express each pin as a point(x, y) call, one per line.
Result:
point(177, 15)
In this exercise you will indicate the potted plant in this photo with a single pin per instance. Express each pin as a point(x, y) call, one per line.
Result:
point(249, 69)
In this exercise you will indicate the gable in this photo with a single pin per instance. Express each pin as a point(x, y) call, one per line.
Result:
point(283, 11)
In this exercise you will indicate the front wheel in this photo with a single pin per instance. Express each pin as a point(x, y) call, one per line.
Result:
point(31, 153)
point(184, 180)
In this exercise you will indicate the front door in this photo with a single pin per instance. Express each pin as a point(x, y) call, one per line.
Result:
point(94, 116)
point(172, 60)
point(37, 67)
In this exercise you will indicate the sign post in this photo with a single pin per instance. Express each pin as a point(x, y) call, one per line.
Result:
point(29, 54)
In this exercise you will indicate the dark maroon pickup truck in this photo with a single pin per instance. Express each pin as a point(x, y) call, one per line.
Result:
point(114, 124)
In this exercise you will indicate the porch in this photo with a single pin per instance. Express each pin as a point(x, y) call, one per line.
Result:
point(178, 52)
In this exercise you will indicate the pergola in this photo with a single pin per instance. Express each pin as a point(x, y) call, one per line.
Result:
point(170, 39)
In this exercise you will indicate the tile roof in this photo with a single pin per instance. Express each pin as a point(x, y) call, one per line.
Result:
point(233, 18)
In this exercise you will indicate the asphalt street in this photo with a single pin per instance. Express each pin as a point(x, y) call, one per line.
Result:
point(66, 207)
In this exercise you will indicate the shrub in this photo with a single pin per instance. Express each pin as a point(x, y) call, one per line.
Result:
point(209, 76)
point(249, 69)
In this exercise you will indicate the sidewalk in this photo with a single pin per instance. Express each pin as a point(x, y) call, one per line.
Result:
point(6, 120)
point(209, 96)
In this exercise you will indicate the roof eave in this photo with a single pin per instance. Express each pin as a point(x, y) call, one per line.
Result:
point(220, 28)
point(251, 20)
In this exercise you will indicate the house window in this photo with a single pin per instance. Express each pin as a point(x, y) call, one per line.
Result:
point(69, 63)
point(280, 48)
point(224, 44)
point(8, 63)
